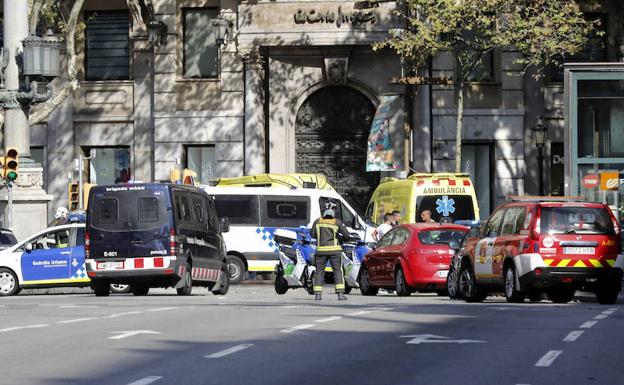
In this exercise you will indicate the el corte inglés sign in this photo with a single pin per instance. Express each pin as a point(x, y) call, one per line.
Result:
point(339, 17)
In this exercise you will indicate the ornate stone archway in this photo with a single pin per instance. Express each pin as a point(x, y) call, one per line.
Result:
point(331, 133)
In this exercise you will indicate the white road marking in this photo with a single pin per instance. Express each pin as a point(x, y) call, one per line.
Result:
point(608, 312)
point(146, 380)
point(130, 333)
point(229, 351)
point(328, 319)
point(573, 336)
point(162, 308)
point(221, 297)
point(23, 327)
point(418, 339)
point(71, 321)
point(75, 306)
point(548, 358)
point(601, 316)
point(612, 308)
point(357, 313)
point(298, 327)
point(588, 324)
point(122, 314)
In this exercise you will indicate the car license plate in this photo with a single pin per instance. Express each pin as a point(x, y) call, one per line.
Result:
point(579, 250)
point(442, 273)
point(110, 265)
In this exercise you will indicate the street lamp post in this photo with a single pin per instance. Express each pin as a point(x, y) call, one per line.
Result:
point(539, 136)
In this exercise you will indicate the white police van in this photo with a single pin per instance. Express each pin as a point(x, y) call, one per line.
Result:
point(53, 257)
point(254, 214)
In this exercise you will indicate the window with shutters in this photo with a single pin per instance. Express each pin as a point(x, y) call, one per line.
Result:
point(107, 55)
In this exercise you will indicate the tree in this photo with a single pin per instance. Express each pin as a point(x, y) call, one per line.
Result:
point(63, 18)
point(542, 31)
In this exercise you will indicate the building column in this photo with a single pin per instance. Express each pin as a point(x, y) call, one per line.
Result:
point(254, 161)
point(143, 150)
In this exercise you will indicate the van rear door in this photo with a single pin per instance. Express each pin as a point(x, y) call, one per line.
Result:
point(129, 221)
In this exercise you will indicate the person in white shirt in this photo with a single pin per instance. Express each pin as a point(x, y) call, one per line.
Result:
point(384, 227)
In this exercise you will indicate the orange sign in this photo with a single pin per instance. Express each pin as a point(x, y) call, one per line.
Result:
point(609, 180)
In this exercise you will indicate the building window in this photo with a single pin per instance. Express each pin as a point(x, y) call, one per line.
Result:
point(38, 155)
point(107, 45)
point(110, 165)
point(202, 160)
point(201, 53)
point(484, 71)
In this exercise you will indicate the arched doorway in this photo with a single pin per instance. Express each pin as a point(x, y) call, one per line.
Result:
point(331, 133)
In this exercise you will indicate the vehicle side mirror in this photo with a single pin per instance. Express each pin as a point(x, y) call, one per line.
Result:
point(28, 247)
point(454, 245)
point(356, 224)
point(224, 225)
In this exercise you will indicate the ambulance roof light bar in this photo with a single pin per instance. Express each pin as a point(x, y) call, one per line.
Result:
point(537, 198)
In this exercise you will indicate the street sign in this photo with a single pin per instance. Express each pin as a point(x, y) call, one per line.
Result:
point(417, 339)
point(609, 180)
point(590, 181)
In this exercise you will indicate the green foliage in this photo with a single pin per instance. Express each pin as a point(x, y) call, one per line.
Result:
point(541, 30)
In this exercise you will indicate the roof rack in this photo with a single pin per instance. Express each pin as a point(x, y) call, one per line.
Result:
point(529, 198)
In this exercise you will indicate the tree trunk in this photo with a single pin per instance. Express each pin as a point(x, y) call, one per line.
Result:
point(459, 128)
point(71, 84)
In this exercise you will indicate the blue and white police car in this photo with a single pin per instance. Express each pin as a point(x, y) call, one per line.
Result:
point(50, 258)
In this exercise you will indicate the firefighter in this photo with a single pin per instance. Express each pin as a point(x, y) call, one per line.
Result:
point(329, 231)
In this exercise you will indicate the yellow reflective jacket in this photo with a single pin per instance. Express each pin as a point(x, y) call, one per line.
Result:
point(328, 233)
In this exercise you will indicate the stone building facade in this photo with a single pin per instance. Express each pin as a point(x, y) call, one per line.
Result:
point(291, 89)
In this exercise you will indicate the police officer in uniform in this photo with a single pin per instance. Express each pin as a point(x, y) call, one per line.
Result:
point(329, 231)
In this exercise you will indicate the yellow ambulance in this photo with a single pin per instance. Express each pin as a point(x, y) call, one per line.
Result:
point(445, 195)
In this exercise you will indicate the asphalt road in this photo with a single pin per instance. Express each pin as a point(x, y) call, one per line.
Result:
point(253, 336)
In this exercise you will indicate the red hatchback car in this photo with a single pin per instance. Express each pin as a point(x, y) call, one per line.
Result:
point(411, 257)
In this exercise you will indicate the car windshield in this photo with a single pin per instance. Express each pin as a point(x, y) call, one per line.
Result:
point(456, 207)
point(431, 237)
point(575, 220)
point(7, 239)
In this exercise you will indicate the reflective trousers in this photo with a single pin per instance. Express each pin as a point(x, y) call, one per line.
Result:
point(320, 261)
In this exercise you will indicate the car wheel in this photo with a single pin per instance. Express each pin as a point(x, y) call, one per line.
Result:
point(101, 288)
point(468, 287)
point(224, 281)
point(281, 285)
point(607, 294)
point(117, 288)
point(139, 290)
point(512, 294)
point(187, 288)
point(560, 294)
point(400, 285)
point(236, 267)
point(452, 284)
point(366, 287)
point(8, 283)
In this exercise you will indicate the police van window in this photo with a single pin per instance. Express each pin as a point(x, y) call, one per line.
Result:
point(148, 209)
point(284, 211)
point(80, 236)
point(200, 215)
point(109, 212)
point(347, 216)
point(185, 208)
point(240, 209)
point(213, 221)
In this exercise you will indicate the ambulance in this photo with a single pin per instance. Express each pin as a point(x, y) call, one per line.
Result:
point(447, 196)
point(258, 205)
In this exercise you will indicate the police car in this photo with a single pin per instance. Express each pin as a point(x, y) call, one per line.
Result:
point(51, 258)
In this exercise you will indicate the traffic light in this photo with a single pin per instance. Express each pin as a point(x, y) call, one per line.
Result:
point(10, 164)
point(73, 197)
